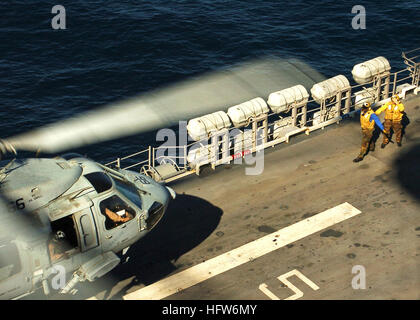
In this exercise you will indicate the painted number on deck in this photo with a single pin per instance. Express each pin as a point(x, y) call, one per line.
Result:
point(283, 278)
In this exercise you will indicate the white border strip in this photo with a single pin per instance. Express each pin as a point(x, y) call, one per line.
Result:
point(248, 252)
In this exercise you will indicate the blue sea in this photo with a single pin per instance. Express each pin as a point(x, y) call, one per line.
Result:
point(112, 50)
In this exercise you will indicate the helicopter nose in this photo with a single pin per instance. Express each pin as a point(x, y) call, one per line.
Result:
point(172, 192)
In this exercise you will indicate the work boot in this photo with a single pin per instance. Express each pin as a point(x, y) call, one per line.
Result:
point(372, 148)
point(399, 144)
point(383, 145)
point(359, 158)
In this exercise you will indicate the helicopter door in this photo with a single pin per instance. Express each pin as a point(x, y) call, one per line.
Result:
point(14, 279)
point(87, 229)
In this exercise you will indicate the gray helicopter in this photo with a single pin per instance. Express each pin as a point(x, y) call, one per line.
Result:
point(83, 221)
point(71, 213)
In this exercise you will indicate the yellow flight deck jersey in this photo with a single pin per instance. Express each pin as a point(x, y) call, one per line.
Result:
point(365, 120)
point(393, 111)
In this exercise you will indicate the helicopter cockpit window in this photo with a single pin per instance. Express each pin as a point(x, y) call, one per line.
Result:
point(129, 191)
point(116, 211)
point(100, 181)
point(9, 260)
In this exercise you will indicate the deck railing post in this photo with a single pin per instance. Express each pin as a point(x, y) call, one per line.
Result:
point(338, 104)
point(149, 157)
point(294, 115)
point(254, 134)
point(185, 156)
point(348, 102)
point(378, 89)
point(265, 124)
point(387, 81)
point(394, 85)
point(416, 75)
point(304, 111)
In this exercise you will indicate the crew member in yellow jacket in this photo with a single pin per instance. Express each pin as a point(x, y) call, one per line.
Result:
point(368, 119)
point(394, 111)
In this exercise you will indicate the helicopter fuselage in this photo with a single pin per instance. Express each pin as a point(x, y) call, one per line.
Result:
point(72, 216)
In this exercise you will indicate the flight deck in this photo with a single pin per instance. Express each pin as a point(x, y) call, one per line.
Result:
point(227, 212)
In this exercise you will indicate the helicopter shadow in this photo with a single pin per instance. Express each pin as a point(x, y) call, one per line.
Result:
point(188, 221)
point(408, 173)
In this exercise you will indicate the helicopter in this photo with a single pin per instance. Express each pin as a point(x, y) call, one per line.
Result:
point(92, 214)
point(71, 213)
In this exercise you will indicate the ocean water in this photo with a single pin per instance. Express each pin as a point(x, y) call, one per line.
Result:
point(115, 50)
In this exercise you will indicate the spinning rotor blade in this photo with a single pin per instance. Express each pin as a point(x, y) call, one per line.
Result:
point(165, 107)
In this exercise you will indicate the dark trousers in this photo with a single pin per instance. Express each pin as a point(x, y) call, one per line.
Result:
point(396, 126)
point(367, 142)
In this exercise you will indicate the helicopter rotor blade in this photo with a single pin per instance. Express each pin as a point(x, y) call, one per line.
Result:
point(165, 107)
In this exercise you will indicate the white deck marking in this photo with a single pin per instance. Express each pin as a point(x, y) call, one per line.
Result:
point(244, 254)
point(298, 294)
point(263, 287)
point(283, 278)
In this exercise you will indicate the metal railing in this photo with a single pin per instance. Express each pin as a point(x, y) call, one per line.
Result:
point(270, 129)
point(412, 60)
point(117, 163)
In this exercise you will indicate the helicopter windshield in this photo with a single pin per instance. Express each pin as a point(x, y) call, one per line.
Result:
point(129, 191)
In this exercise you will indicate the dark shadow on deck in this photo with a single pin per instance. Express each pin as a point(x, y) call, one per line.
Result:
point(188, 221)
point(408, 170)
